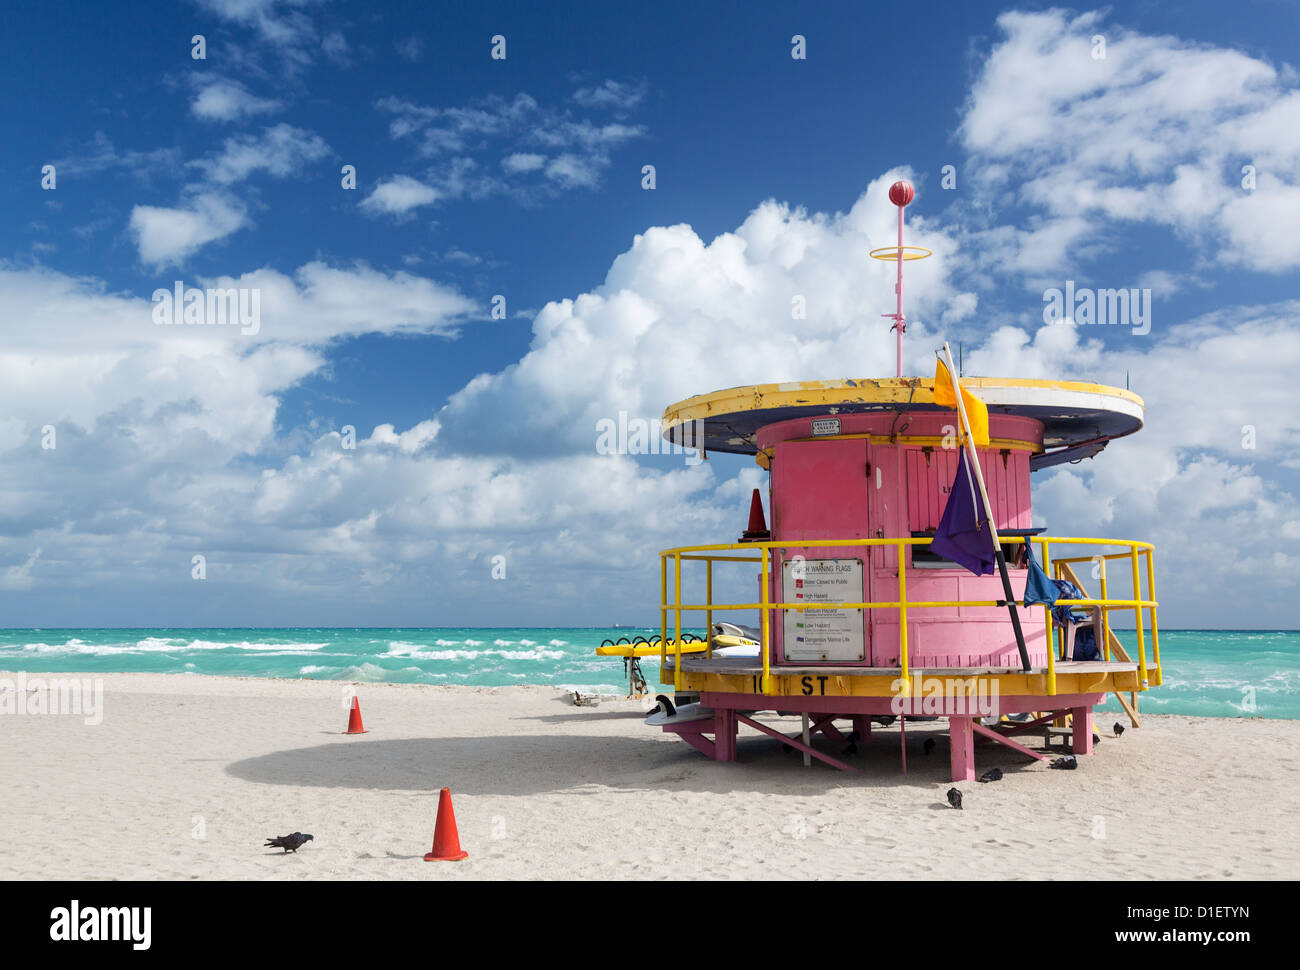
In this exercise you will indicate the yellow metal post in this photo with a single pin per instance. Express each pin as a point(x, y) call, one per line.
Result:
point(1105, 613)
point(677, 641)
point(708, 634)
point(663, 612)
point(1137, 615)
point(766, 683)
point(1054, 641)
point(1155, 629)
point(1047, 621)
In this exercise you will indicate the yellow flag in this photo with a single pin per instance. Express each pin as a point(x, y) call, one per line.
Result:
point(976, 412)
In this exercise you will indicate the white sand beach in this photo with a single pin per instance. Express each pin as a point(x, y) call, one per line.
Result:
point(187, 775)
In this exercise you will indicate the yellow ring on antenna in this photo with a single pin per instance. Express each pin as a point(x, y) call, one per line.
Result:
point(909, 253)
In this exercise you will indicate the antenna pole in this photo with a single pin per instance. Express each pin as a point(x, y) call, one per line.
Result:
point(900, 193)
point(900, 324)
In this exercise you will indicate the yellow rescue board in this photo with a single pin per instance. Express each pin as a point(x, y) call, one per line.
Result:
point(649, 649)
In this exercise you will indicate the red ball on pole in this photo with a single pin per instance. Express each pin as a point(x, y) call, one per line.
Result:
point(901, 193)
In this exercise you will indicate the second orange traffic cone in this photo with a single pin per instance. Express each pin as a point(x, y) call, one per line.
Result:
point(757, 524)
point(446, 841)
point(354, 718)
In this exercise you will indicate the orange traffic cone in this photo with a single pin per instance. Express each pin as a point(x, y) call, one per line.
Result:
point(354, 718)
point(446, 841)
point(757, 524)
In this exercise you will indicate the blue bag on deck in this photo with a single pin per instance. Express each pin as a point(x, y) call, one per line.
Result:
point(1085, 644)
point(1065, 615)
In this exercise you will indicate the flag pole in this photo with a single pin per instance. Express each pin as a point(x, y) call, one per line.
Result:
point(988, 510)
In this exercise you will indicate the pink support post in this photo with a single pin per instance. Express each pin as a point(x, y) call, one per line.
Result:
point(726, 735)
point(1082, 729)
point(723, 725)
point(862, 725)
point(692, 735)
point(963, 748)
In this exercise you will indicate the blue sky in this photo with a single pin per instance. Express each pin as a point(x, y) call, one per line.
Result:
point(522, 177)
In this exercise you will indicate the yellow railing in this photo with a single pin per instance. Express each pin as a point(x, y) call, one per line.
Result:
point(709, 554)
point(1148, 553)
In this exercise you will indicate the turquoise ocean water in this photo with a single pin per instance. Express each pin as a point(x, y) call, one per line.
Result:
point(1207, 672)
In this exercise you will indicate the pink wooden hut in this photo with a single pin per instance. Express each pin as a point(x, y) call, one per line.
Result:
point(854, 619)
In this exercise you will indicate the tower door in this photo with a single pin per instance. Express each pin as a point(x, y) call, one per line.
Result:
point(819, 491)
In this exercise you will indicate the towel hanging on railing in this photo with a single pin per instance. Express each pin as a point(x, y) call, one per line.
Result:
point(1038, 587)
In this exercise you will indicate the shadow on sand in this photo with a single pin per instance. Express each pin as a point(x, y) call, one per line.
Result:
point(528, 764)
point(588, 716)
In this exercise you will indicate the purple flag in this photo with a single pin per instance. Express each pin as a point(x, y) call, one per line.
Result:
point(964, 536)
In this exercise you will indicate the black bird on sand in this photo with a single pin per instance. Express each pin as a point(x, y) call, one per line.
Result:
point(993, 774)
point(290, 843)
point(1096, 738)
point(928, 747)
point(1068, 763)
point(954, 798)
point(1119, 729)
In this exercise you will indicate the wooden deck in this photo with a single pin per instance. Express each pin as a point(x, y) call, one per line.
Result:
point(697, 664)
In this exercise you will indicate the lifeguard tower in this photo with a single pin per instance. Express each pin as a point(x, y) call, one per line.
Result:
point(855, 619)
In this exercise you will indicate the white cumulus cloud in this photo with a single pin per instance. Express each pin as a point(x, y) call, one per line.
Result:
point(166, 236)
point(220, 99)
point(398, 195)
point(1157, 130)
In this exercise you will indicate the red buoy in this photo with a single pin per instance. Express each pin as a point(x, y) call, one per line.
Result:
point(901, 193)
